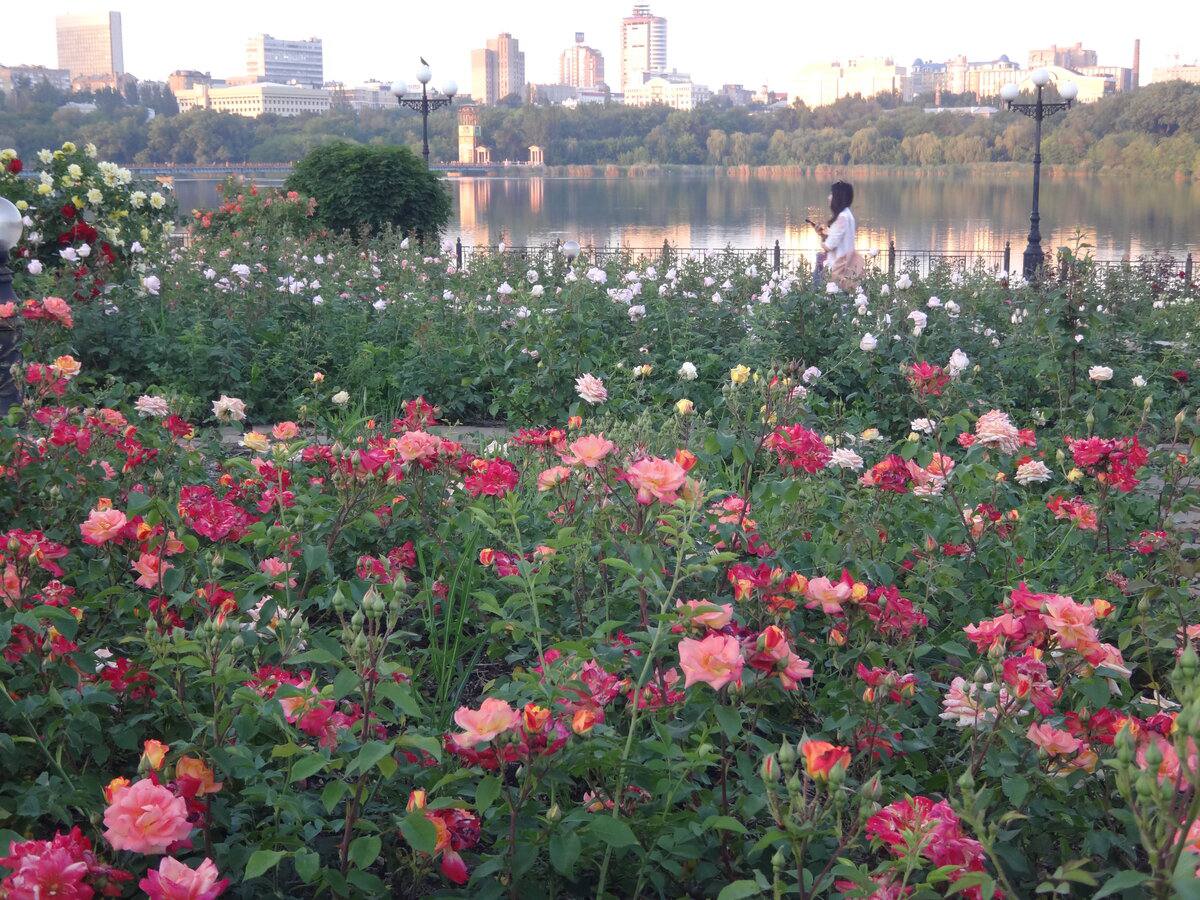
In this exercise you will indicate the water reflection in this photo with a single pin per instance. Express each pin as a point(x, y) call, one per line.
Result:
point(958, 214)
point(920, 211)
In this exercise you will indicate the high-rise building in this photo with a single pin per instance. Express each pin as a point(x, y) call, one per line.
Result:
point(282, 62)
point(1074, 57)
point(983, 79)
point(90, 45)
point(510, 65)
point(498, 70)
point(581, 66)
point(484, 76)
point(643, 46)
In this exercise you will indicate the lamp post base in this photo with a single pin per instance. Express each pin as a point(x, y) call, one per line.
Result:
point(1034, 259)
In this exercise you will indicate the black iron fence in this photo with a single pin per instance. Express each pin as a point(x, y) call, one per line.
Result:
point(891, 259)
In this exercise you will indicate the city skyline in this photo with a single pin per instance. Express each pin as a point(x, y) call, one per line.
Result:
point(386, 45)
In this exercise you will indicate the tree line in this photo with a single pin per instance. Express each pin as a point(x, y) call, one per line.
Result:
point(1154, 131)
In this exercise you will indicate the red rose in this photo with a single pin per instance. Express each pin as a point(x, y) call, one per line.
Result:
point(15, 166)
point(68, 211)
point(1180, 375)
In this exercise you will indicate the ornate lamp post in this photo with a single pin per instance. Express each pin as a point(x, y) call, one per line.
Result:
point(10, 329)
point(424, 103)
point(1037, 111)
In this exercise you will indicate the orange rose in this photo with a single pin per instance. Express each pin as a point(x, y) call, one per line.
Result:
point(191, 767)
point(486, 556)
point(822, 757)
point(535, 717)
point(153, 753)
point(416, 800)
point(583, 721)
point(66, 366)
point(113, 786)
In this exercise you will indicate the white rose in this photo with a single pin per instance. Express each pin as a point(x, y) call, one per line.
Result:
point(688, 372)
point(35, 267)
point(1137, 381)
point(868, 343)
point(1100, 373)
point(152, 284)
point(341, 398)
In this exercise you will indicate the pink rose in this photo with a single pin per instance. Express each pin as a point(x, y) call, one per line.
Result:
point(146, 818)
point(102, 526)
point(174, 880)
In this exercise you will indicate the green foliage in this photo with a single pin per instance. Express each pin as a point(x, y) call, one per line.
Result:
point(372, 189)
point(1121, 133)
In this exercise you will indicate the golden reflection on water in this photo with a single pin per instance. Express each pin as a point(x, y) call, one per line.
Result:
point(957, 214)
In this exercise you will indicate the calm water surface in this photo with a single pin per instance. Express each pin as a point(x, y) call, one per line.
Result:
point(957, 213)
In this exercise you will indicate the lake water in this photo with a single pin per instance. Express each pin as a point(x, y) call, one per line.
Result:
point(953, 213)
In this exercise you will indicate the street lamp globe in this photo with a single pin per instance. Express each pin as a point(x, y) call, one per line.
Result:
point(424, 74)
point(1010, 92)
point(1068, 91)
point(450, 88)
point(399, 88)
point(571, 250)
point(10, 225)
point(1040, 77)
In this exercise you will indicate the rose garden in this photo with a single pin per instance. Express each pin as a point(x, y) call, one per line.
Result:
point(751, 590)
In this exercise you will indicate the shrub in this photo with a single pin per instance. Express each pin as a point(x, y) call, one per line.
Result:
point(372, 187)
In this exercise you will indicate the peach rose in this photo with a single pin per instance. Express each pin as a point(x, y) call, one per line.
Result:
point(588, 451)
point(826, 595)
point(1054, 741)
point(706, 613)
point(145, 818)
point(716, 660)
point(153, 753)
point(484, 724)
point(656, 479)
point(102, 526)
point(552, 477)
point(285, 431)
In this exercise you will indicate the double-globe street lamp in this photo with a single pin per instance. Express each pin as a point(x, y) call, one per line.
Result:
point(424, 103)
point(1037, 111)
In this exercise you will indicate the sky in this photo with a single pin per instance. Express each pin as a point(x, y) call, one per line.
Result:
point(752, 42)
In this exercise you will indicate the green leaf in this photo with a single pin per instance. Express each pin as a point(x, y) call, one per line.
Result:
point(346, 681)
point(333, 793)
point(315, 557)
point(736, 890)
point(261, 861)
point(1122, 881)
point(308, 766)
point(612, 831)
point(730, 718)
point(725, 823)
point(371, 753)
point(564, 851)
point(1016, 789)
point(308, 863)
point(419, 832)
point(365, 850)
point(486, 793)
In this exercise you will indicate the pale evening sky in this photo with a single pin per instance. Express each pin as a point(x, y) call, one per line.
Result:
point(751, 42)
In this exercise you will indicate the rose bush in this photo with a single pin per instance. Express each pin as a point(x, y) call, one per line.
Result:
point(780, 650)
point(87, 223)
point(913, 616)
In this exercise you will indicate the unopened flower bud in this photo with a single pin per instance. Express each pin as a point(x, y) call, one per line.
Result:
point(787, 757)
point(770, 768)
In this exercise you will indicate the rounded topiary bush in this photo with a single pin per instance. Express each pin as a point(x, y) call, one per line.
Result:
point(359, 187)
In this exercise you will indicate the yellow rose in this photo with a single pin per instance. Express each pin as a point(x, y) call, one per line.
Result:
point(44, 189)
point(22, 205)
point(739, 374)
point(68, 147)
point(1074, 475)
point(871, 434)
point(66, 366)
point(252, 440)
point(685, 407)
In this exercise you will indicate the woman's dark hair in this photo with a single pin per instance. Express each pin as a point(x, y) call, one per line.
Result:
point(841, 195)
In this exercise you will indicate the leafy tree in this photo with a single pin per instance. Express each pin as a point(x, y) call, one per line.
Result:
point(359, 187)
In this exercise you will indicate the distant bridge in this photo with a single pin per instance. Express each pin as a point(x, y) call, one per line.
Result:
point(280, 171)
